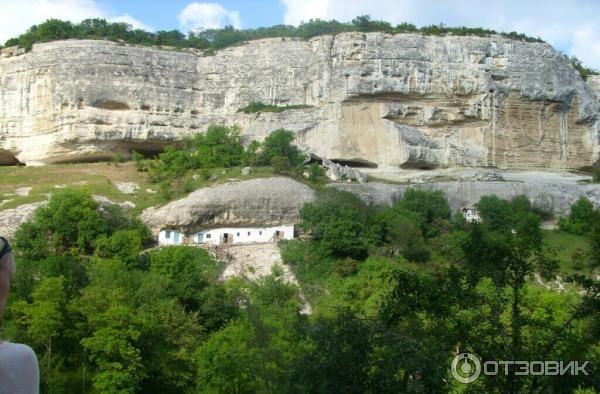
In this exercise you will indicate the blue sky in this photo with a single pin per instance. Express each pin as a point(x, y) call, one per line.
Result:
point(573, 26)
point(162, 15)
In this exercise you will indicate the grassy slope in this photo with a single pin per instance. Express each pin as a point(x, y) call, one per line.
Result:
point(565, 245)
point(100, 179)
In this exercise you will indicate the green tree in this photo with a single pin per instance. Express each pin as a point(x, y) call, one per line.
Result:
point(44, 319)
point(341, 222)
point(71, 219)
point(281, 164)
point(140, 162)
point(337, 359)
point(581, 218)
point(506, 249)
point(280, 144)
point(315, 172)
point(400, 230)
point(228, 361)
point(189, 270)
point(431, 207)
point(112, 348)
point(220, 146)
point(125, 245)
point(254, 353)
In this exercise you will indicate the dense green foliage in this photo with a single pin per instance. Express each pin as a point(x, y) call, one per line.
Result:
point(341, 223)
point(214, 39)
point(256, 107)
point(220, 147)
point(581, 219)
point(106, 315)
point(471, 293)
point(344, 226)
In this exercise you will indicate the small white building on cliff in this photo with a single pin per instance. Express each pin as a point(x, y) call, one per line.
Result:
point(471, 214)
point(227, 235)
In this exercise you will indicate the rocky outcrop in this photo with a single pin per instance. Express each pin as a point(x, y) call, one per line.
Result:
point(12, 219)
point(256, 202)
point(555, 198)
point(338, 172)
point(253, 262)
point(387, 100)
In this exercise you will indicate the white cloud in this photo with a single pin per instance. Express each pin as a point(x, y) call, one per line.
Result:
point(17, 16)
point(207, 16)
point(302, 11)
point(586, 45)
point(569, 25)
point(136, 24)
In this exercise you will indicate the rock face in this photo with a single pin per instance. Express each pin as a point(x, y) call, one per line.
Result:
point(389, 100)
point(549, 197)
point(338, 172)
point(256, 202)
point(12, 219)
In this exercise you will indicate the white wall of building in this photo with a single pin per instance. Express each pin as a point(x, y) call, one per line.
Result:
point(170, 237)
point(235, 235)
point(471, 215)
point(243, 235)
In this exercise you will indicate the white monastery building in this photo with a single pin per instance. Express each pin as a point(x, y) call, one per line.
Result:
point(471, 214)
point(227, 235)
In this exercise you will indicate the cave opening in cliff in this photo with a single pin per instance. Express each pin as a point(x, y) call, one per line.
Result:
point(420, 165)
point(355, 163)
point(9, 159)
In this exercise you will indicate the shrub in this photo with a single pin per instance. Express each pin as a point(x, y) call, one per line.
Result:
point(402, 234)
point(345, 267)
point(220, 146)
point(580, 219)
point(431, 208)
point(281, 164)
point(140, 163)
point(315, 172)
point(280, 144)
point(117, 158)
point(257, 107)
point(342, 223)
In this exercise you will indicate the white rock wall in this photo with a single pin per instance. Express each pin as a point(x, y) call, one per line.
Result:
point(403, 100)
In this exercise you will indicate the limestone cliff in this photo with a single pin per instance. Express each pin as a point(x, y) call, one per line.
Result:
point(389, 100)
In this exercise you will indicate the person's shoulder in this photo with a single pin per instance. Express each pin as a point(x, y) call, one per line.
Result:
point(18, 352)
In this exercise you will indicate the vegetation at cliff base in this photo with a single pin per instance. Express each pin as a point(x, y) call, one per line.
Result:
point(214, 39)
point(396, 291)
point(219, 148)
point(257, 107)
